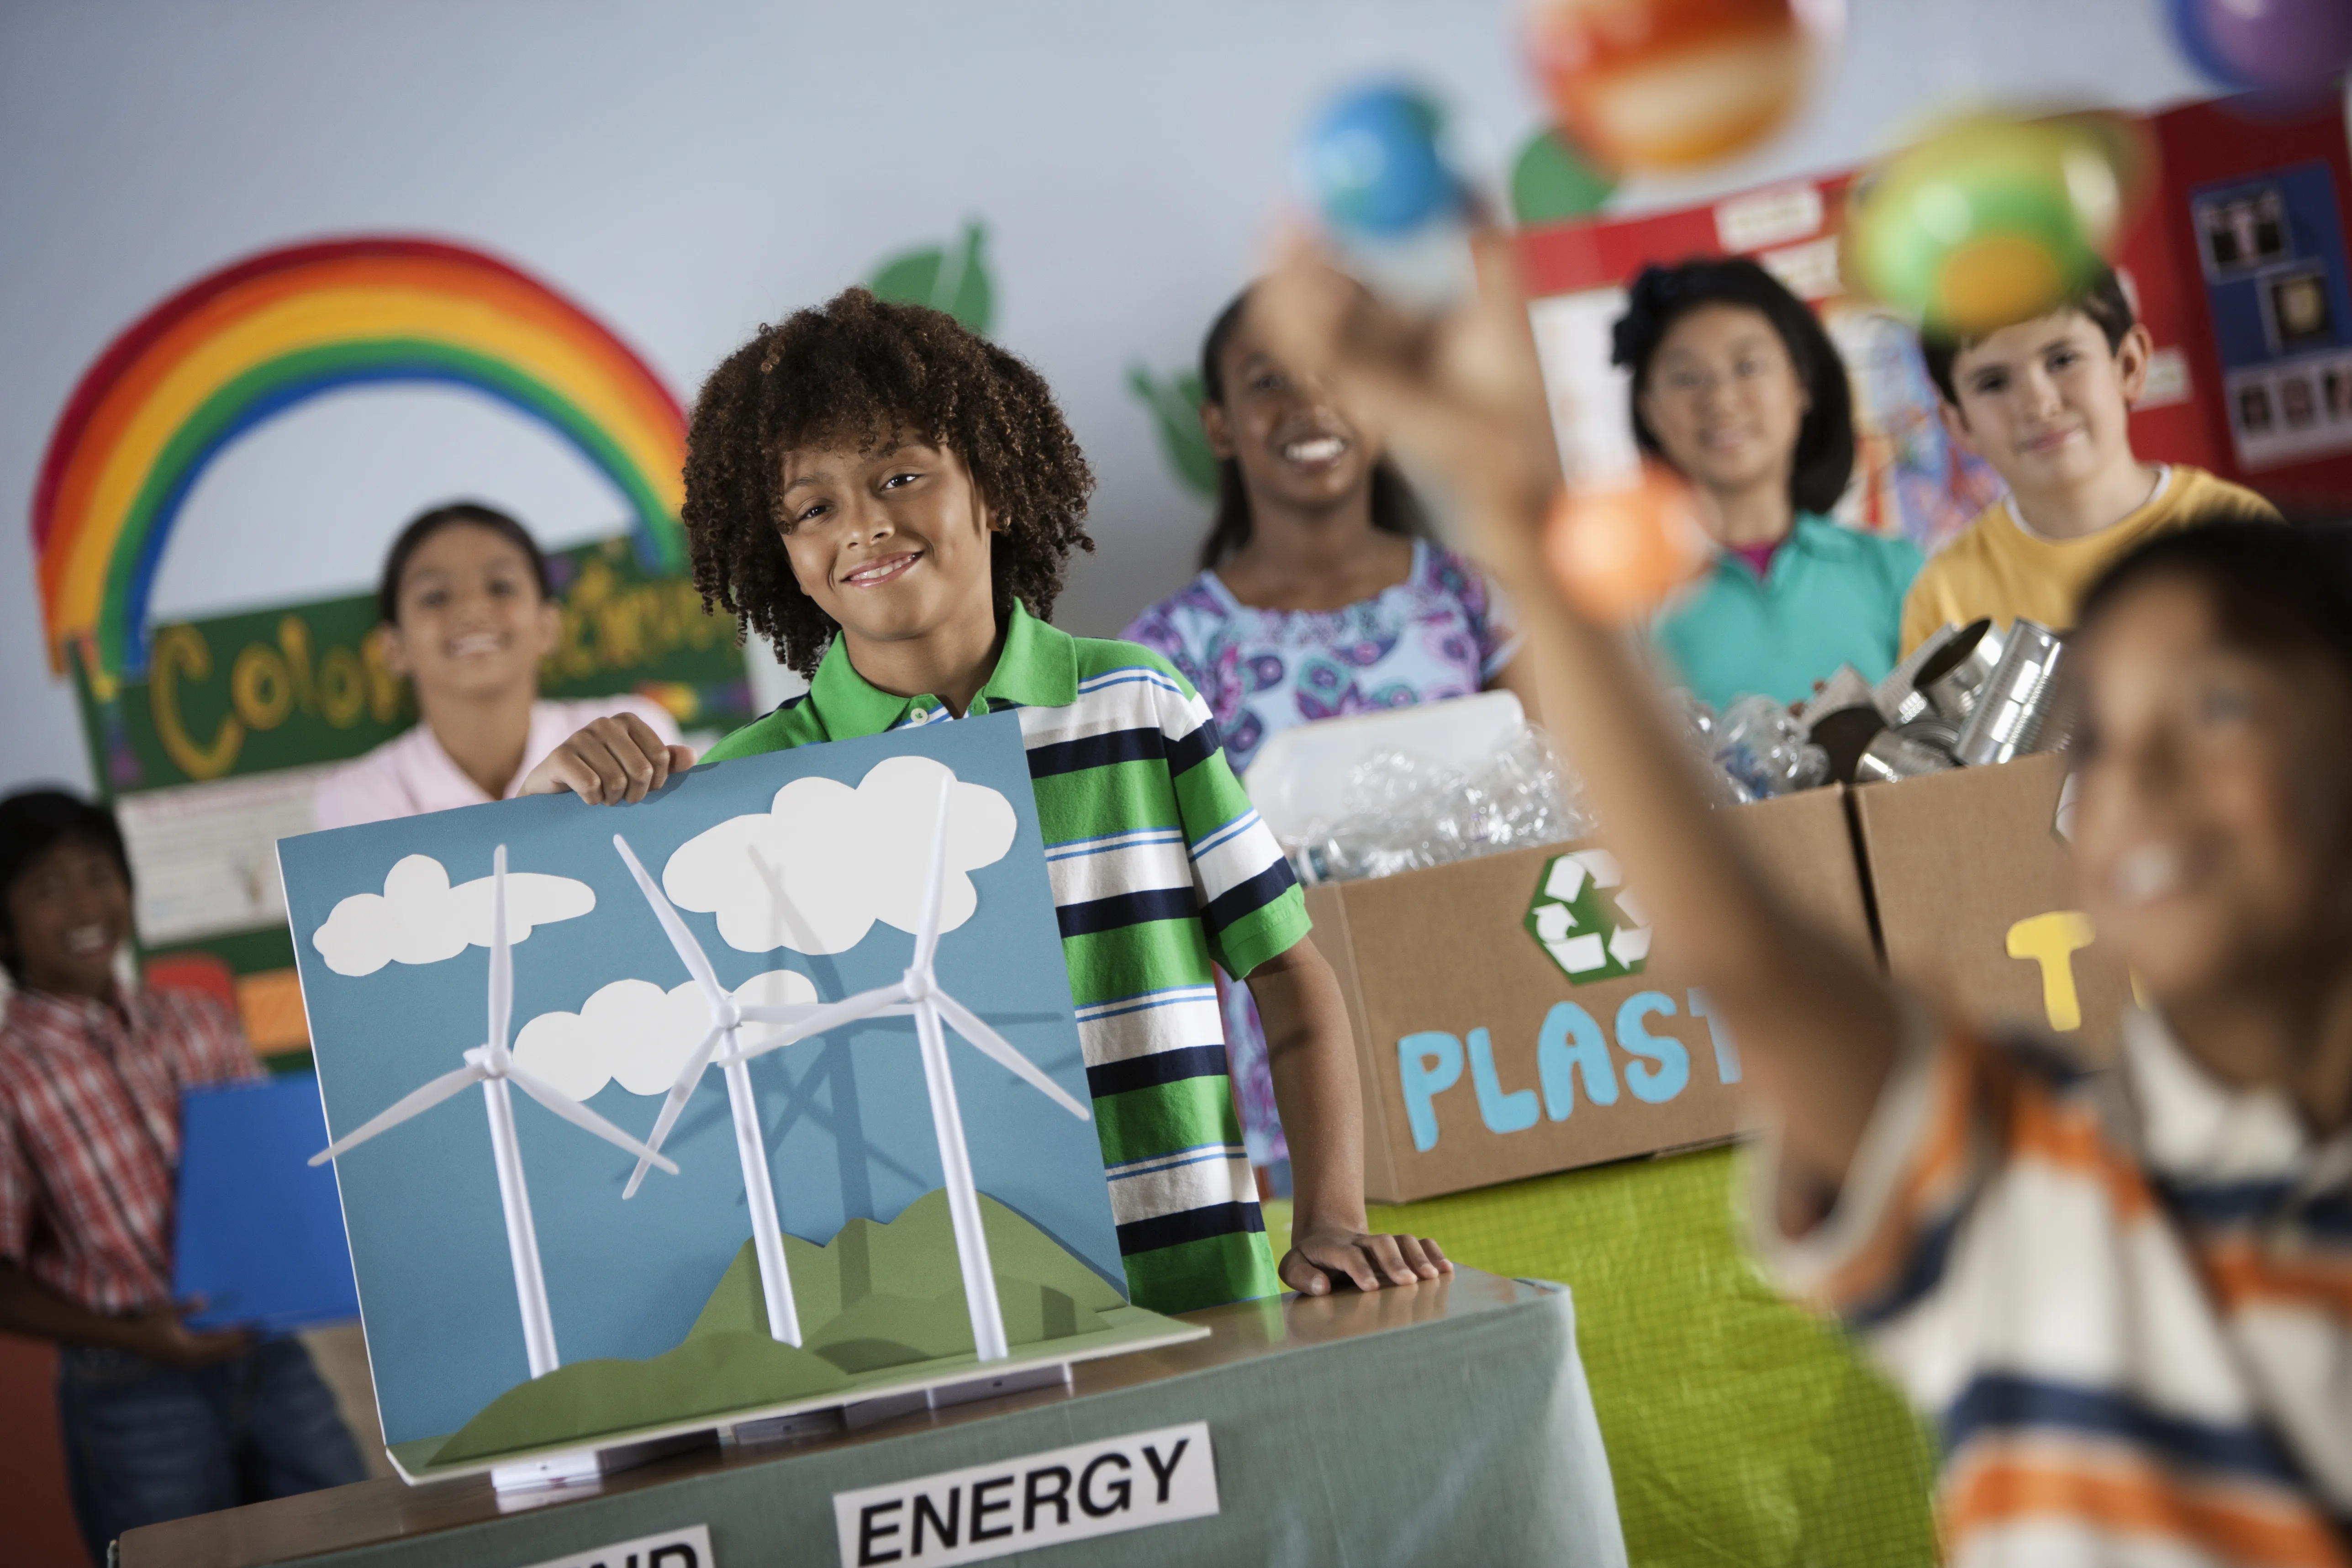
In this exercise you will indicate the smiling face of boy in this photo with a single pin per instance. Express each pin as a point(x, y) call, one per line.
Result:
point(68, 912)
point(2047, 403)
point(894, 545)
point(2213, 842)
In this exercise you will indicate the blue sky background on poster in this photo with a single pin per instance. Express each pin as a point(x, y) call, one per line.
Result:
point(847, 1120)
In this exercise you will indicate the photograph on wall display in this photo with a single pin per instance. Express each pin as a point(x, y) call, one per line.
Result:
point(2244, 232)
point(2254, 408)
point(2296, 406)
point(2336, 386)
point(2295, 307)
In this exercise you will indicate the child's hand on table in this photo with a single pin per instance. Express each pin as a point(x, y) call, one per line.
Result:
point(609, 761)
point(1366, 1260)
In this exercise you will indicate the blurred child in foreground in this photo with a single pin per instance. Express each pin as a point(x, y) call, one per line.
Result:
point(160, 1420)
point(2047, 403)
point(2127, 1298)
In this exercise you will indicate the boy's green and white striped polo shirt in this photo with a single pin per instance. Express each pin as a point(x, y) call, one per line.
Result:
point(1160, 868)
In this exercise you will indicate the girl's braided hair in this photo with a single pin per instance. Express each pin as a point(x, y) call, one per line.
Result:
point(859, 372)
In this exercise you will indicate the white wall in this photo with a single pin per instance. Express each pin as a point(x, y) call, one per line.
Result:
point(687, 170)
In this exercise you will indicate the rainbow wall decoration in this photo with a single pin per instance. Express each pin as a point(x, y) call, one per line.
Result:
point(253, 340)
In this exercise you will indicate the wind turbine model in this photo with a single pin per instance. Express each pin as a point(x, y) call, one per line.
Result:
point(727, 1018)
point(493, 1067)
point(917, 990)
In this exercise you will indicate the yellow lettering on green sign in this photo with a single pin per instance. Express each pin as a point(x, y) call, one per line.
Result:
point(181, 650)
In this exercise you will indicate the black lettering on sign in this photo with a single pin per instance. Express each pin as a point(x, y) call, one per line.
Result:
point(871, 1530)
point(1165, 1473)
point(1116, 1488)
point(679, 1555)
point(982, 1508)
point(1014, 1506)
point(1036, 1498)
point(945, 1529)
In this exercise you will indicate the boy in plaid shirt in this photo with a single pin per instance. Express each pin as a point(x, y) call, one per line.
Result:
point(160, 1420)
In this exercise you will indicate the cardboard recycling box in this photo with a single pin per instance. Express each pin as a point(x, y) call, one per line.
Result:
point(1511, 1018)
point(1975, 906)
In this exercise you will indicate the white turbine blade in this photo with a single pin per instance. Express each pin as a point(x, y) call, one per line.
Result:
point(674, 1106)
point(871, 1004)
point(799, 1012)
point(926, 931)
point(673, 927)
point(579, 1115)
point(995, 1047)
point(401, 1109)
point(501, 957)
point(782, 1013)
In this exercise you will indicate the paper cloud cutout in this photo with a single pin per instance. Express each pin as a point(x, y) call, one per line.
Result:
point(420, 918)
point(825, 861)
point(634, 1031)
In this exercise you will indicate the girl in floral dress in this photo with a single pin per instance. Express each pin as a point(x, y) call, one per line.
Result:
point(1319, 595)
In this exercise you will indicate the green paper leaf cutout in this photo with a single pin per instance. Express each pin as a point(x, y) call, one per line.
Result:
point(1553, 181)
point(953, 278)
point(1175, 404)
point(1584, 919)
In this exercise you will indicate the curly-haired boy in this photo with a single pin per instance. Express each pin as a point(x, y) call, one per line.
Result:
point(893, 501)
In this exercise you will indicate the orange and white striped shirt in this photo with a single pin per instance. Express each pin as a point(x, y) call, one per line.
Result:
point(2125, 1297)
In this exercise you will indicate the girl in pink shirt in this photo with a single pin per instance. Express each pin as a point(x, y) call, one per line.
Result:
point(468, 618)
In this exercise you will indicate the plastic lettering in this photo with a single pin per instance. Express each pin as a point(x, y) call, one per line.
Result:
point(1428, 1064)
point(1513, 1112)
point(1654, 1084)
point(1569, 1040)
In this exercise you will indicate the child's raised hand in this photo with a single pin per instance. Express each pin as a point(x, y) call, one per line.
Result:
point(609, 761)
point(1367, 1260)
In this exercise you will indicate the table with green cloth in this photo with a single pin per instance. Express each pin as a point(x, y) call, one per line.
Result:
point(1739, 1429)
point(1434, 1424)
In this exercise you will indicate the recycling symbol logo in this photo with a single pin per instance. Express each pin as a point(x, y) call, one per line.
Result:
point(1585, 919)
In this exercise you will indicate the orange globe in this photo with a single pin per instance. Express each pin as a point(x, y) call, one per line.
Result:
point(1667, 84)
point(1616, 554)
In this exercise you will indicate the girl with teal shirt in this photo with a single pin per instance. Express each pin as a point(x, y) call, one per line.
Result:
point(1736, 386)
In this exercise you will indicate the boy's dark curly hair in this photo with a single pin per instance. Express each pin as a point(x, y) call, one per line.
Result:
point(857, 371)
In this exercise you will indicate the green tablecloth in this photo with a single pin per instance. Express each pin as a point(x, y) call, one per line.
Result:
point(1739, 1430)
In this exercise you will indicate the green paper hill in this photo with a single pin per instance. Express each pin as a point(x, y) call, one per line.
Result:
point(875, 1302)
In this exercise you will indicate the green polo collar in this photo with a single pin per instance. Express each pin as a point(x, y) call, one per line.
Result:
point(1037, 668)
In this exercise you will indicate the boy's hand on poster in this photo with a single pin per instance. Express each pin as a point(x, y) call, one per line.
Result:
point(1367, 1260)
point(161, 1334)
point(610, 761)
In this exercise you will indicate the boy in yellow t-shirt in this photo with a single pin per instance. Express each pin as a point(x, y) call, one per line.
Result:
point(2047, 403)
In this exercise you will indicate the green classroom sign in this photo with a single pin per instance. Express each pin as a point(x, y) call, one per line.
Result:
point(302, 684)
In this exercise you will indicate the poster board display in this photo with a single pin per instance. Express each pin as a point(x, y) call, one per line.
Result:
point(2254, 207)
point(1512, 1019)
point(211, 757)
point(523, 1295)
point(1971, 882)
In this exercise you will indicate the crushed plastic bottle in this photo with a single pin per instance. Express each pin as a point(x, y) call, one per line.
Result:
point(1761, 745)
point(1406, 811)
